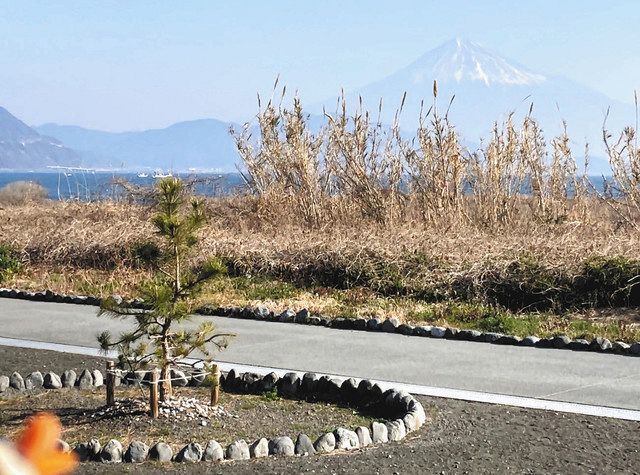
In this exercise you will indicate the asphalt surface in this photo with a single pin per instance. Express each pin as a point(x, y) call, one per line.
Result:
point(556, 375)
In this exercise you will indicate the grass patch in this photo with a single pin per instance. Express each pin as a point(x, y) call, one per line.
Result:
point(254, 288)
point(494, 319)
point(9, 262)
point(483, 318)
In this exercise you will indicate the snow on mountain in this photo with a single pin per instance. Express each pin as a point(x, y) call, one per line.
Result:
point(461, 61)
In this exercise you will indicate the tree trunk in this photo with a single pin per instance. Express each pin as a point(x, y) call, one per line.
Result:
point(166, 389)
point(177, 287)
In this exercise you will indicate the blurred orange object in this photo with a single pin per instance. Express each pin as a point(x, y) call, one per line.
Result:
point(37, 450)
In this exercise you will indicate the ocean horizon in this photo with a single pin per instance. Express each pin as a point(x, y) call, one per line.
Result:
point(92, 185)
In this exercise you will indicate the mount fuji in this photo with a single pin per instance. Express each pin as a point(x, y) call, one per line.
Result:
point(487, 87)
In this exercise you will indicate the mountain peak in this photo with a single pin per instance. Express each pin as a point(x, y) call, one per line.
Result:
point(461, 61)
point(22, 147)
point(12, 128)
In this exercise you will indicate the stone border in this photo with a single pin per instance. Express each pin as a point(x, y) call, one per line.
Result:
point(391, 325)
point(35, 380)
point(403, 414)
point(90, 379)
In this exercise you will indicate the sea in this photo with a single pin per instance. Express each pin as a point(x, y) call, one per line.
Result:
point(92, 185)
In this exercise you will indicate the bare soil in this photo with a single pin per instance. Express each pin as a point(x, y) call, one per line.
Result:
point(464, 438)
point(25, 360)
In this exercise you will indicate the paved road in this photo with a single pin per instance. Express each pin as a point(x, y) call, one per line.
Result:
point(587, 378)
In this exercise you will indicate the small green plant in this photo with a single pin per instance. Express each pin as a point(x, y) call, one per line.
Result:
point(170, 295)
point(9, 262)
point(271, 395)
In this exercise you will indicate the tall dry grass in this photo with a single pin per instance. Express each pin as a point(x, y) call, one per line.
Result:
point(356, 170)
point(622, 190)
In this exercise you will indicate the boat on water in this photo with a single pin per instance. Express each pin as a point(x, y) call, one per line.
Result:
point(143, 175)
point(160, 174)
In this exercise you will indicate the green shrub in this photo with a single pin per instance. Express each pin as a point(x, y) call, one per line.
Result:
point(146, 253)
point(9, 262)
point(527, 284)
point(406, 276)
point(611, 281)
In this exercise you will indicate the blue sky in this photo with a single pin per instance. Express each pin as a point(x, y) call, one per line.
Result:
point(119, 65)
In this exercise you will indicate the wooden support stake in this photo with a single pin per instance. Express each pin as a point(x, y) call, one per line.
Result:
point(111, 383)
point(215, 385)
point(153, 393)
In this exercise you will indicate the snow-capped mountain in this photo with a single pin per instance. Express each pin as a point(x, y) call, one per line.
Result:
point(21, 147)
point(462, 61)
point(487, 87)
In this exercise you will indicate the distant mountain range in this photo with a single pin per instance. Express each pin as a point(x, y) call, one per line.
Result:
point(201, 144)
point(22, 147)
point(487, 87)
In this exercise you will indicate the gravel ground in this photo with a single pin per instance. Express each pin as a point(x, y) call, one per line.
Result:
point(460, 437)
point(25, 360)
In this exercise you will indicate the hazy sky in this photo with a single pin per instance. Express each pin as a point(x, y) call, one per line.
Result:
point(120, 65)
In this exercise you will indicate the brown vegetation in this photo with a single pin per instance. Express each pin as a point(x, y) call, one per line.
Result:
point(247, 416)
point(21, 192)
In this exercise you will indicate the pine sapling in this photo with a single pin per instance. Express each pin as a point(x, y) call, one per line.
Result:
point(169, 297)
